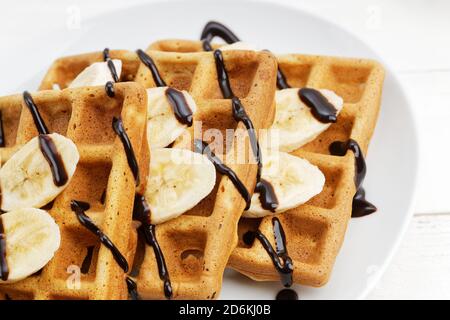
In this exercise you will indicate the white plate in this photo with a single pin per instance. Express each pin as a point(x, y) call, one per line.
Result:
point(393, 159)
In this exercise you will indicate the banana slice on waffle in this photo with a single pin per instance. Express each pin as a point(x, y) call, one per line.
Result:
point(32, 237)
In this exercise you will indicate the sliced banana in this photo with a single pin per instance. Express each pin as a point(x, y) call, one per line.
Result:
point(26, 179)
point(32, 238)
point(240, 45)
point(178, 180)
point(294, 180)
point(162, 125)
point(97, 74)
point(294, 124)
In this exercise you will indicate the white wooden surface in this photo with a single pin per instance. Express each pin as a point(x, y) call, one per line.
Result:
point(412, 36)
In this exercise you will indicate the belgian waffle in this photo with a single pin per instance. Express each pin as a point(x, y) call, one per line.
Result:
point(197, 244)
point(314, 231)
point(102, 178)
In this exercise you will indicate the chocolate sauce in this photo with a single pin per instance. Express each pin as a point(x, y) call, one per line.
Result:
point(280, 258)
point(215, 29)
point(54, 159)
point(360, 207)
point(132, 289)
point(2, 134)
point(203, 148)
point(222, 75)
point(131, 158)
point(287, 294)
point(46, 143)
point(149, 63)
point(38, 121)
point(109, 88)
point(267, 195)
point(320, 107)
point(87, 261)
point(141, 212)
point(180, 106)
point(110, 64)
point(4, 269)
point(79, 209)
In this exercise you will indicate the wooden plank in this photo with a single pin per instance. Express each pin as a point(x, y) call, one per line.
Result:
point(420, 268)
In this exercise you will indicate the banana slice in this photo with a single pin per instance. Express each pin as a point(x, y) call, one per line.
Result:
point(32, 238)
point(240, 45)
point(97, 74)
point(26, 179)
point(178, 180)
point(162, 125)
point(294, 124)
point(293, 179)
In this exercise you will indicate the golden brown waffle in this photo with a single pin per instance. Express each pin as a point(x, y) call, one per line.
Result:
point(65, 69)
point(315, 230)
point(85, 116)
point(197, 244)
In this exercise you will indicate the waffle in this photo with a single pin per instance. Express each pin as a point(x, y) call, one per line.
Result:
point(102, 173)
point(64, 70)
point(197, 244)
point(315, 230)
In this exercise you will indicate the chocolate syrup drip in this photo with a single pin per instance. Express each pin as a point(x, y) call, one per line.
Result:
point(38, 121)
point(87, 261)
point(79, 209)
point(266, 192)
point(149, 63)
point(281, 80)
point(203, 148)
point(222, 75)
point(109, 88)
point(4, 269)
point(215, 29)
point(131, 158)
point(320, 107)
point(48, 149)
point(2, 134)
point(287, 294)
point(110, 64)
point(360, 206)
point(141, 212)
point(267, 195)
point(46, 143)
point(132, 289)
point(280, 258)
point(179, 106)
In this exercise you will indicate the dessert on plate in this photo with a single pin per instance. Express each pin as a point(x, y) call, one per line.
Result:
point(149, 172)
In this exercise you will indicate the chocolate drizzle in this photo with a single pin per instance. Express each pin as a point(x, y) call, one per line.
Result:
point(266, 192)
point(46, 144)
point(222, 75)
point(109, 86)
point(180, 106)
point(37, 118)
point(215, 29)
point(132, 289)
point(149, 63)
point(320, 107)
point(131, 158)
point(203, 148)
point(2, 134)
point(287, 294)
point(360, 207)
point(79, 209)
point(141, 213)
point(279, 256)
point(4, 269)
point(54, 159)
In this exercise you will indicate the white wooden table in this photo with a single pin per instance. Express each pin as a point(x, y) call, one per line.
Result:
point(412, 36)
